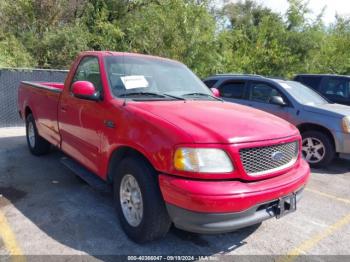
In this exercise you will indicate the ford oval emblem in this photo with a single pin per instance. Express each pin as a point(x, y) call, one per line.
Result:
point(277, 156)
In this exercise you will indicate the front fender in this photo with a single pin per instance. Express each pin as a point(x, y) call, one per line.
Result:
point(151, 136)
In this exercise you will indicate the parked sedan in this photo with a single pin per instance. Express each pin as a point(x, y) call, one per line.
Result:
point(324, 126)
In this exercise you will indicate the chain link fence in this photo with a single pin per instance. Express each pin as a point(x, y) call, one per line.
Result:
point(9, 82)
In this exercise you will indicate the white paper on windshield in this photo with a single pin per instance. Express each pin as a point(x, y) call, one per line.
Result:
point(136, 81)
point(286, 86)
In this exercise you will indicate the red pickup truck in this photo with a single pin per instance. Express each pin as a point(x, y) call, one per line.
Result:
point(173, 152)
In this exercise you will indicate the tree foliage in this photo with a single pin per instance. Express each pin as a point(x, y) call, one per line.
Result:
point(13, 53)
point(243, 36)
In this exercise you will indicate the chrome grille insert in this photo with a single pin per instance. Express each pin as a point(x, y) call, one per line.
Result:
point(260, 161)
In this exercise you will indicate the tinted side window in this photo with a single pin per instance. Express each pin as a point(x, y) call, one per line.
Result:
point(232, 90)
point(310, 81)
point(261, 92)
point(210, 83)
point(89, 70)
point(337, 87)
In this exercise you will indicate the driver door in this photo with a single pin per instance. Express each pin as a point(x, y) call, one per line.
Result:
point(81, 121)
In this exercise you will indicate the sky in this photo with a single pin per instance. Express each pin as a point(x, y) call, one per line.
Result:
point(342, 7)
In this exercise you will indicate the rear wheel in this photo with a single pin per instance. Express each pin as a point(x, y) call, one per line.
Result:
point(138, 200)
point(317, 148)
point(36, 144)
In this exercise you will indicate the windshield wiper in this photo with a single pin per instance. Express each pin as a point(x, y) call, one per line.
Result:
point(176, 97)
point(141, 94)
point(203, 94)
point(151, 94)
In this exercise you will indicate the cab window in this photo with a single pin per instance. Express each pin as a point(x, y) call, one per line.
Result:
point(89, 70)
point(261, 92)
point(336, 87)
point(210, 83)
point(233, 89)
point(311, 81)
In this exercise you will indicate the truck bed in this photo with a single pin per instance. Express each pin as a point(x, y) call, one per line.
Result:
point(43, 99)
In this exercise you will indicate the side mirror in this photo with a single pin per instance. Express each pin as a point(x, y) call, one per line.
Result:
point(85, 90)
point(215, 91)
point(277, 100)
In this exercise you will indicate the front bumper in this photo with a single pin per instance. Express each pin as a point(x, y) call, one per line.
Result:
point(214, 223)
point(230, 196)
point(342, 143)
point(223, 206)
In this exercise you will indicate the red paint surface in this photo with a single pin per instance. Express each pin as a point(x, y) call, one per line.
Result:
point(156, 129)
point(52, 85)
point(231, 196)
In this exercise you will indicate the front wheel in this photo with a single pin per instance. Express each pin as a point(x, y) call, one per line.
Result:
point(317, 148)
point(138, 200)
point(36, 144)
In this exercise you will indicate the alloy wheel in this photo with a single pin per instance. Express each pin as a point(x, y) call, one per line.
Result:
point(313, 150)
point(131, 200)
point(31, 134)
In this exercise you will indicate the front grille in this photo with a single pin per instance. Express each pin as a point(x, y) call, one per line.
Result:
point(260, 161)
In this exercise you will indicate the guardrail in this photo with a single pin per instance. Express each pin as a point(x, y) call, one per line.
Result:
point(10, 79)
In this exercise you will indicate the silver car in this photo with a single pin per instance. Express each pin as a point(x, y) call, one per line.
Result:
point(324, 126)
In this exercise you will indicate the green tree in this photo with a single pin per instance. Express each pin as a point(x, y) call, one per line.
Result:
point(257, 39)
point(63, 44)
point(13, 53)
point(246, 13)
point(182, 30)
point(333, 55)
point(243, 36)
point(32, 23)
point(296, 14)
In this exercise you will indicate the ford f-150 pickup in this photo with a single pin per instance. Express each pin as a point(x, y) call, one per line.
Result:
point(172, 151)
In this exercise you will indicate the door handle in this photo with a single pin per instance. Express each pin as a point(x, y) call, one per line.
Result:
point(63, 109)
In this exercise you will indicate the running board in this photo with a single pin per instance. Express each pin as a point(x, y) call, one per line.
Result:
point(90, 178)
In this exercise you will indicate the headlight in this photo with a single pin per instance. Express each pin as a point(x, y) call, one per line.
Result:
point(204, 160)
point(346, 124)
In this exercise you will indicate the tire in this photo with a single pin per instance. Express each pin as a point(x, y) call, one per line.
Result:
point(37, 145)
point(318, 139)
point(154, 221)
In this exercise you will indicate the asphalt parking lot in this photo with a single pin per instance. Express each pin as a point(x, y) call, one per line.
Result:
point(46, 210)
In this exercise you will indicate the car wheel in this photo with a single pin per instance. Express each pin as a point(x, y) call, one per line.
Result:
point(36, 144)
point(138, 201)
point(317, 148)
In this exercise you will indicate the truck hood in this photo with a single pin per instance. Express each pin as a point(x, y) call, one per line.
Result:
point(333, 110)
point(219, 122)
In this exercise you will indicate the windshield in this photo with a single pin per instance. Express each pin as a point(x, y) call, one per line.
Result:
point(303, 94)
point(143, 77)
